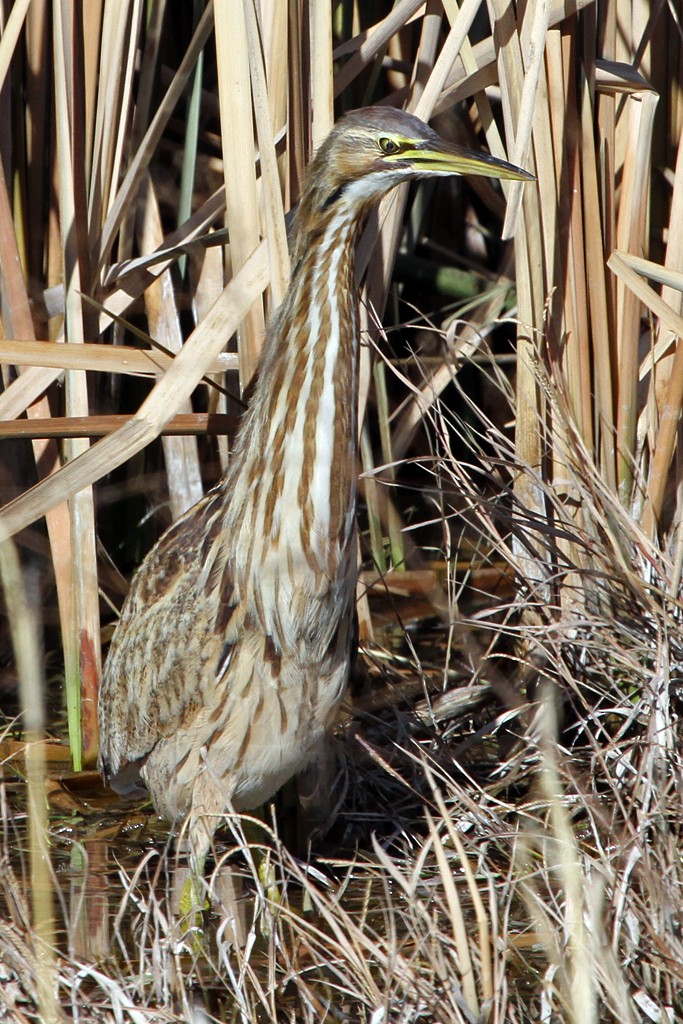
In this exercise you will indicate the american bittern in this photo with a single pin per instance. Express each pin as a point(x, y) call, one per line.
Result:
point(234, 644)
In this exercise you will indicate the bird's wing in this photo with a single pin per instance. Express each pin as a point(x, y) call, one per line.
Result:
point(166, 650)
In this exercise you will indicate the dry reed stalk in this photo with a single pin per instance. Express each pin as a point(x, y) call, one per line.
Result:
point(242, 212)
point(186, 425)
point(181, 454)
point(190, 146)
point(577, 973)
point(21, 323)
point(593, 241)
point(531, 285)
point(28, 653)
point(97, 358)
point(270, 191)
point(82, 646)
point(320, 84)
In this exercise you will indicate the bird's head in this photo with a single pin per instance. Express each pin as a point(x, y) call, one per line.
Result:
point(371, 150)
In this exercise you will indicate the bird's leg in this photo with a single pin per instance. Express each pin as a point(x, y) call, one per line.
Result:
point(252, 837)
point(263, 861)
point(257, 841)
point(193, 901)
point(314, 796)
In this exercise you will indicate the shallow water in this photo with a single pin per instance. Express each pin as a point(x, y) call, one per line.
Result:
point(117, 878)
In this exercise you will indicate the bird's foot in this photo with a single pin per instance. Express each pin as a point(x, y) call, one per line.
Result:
point(268, 878)
point(193, 903)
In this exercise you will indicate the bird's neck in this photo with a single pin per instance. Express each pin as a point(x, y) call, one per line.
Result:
point(295, 460)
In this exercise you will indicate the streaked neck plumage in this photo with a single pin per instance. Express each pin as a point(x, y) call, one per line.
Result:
point(294, 468)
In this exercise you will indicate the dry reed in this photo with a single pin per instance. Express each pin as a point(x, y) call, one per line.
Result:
point(518, 838)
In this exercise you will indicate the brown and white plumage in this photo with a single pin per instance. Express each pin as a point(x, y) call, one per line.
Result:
point(234, 644)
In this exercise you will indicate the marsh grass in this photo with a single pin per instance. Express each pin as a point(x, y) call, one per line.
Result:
point(507, 842)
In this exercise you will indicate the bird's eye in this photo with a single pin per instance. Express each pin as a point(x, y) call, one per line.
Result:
point(388, 146)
